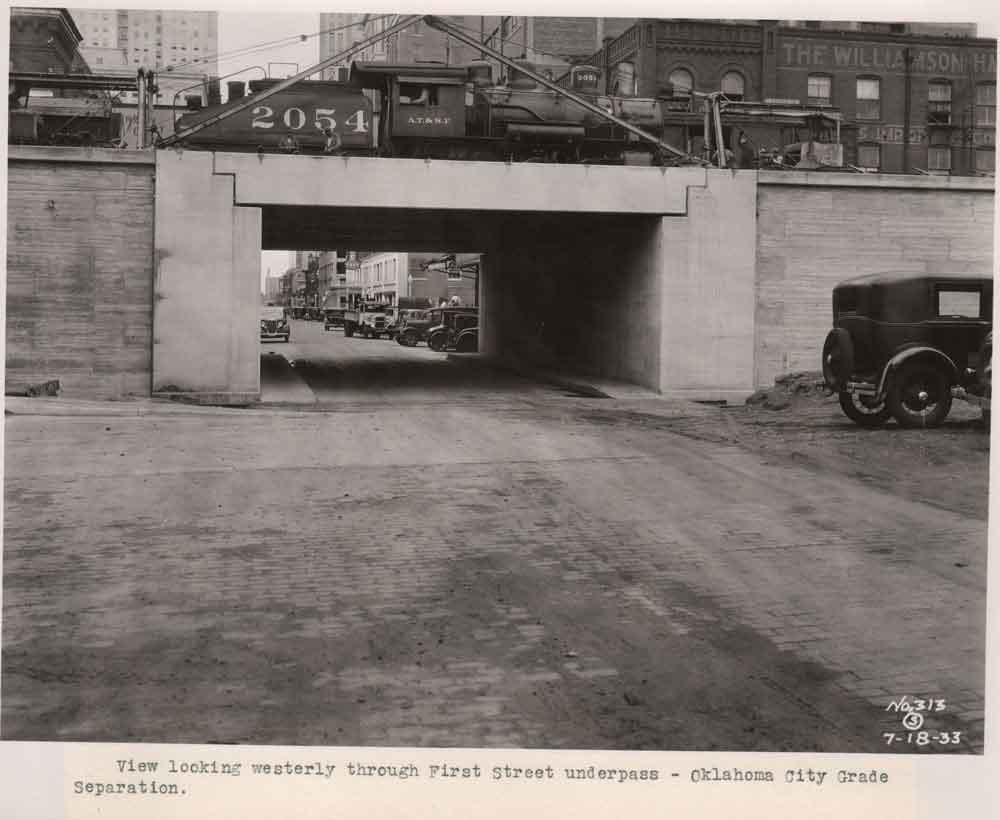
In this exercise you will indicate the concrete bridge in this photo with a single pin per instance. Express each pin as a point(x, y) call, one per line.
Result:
point(694, 282)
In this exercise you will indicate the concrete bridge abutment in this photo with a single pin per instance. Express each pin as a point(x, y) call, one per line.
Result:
point(206, 284)
point(662, 301)
point(604, 271)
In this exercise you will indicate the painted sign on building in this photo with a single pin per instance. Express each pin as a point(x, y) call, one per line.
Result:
point(894, 135)
point(878, 57)
point(690, 31)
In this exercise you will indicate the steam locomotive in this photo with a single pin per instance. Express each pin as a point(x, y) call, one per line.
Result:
point(458, 112)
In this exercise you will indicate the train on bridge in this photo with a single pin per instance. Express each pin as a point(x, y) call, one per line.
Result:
point(453, 112)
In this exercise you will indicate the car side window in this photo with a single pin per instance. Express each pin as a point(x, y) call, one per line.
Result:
point(965, 303)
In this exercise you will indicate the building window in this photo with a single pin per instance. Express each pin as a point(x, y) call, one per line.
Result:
point(682, 82)
point(939, 159)
point(986, 104)
point(733, 85)
point(869, 157)
point(819, 89)
point(986, 161)
point(869, 105)
point(939, 102)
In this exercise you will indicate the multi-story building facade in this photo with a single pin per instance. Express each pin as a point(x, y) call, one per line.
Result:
point(180, 46)
point(272, 288)
point(552, 43)
point(911, 101)
point(419, 278)
point(338, 33)
point(44, 41)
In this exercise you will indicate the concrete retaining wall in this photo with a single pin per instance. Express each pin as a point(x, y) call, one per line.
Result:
point(698, 283)
point(80, 270)
point(815, 230)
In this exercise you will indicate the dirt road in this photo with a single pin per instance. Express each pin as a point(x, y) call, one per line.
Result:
point(519, 567)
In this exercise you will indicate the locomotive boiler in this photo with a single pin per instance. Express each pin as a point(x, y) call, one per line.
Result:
point(309, 117)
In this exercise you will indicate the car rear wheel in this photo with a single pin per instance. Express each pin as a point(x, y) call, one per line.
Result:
point(409, 338)
point(436, 342)
point(863, 410)
point(348, 331)
point(919, 395)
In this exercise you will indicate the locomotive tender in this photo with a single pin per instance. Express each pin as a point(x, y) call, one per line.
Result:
point(437, 111)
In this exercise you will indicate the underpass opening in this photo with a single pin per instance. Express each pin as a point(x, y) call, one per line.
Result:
point(637, 276)
point(551, 296)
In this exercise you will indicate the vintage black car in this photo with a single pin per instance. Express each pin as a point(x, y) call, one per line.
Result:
point(458, 329)
point(412, 326)
point(274, 324)
point(903, 344)
point(333, 317)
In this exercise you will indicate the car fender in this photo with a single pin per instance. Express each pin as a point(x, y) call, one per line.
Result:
point(838, 369)
point(909, 353)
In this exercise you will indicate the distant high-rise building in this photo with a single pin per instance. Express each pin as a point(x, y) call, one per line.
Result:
point(339, 32)
point(180, 46)
point(549, 42)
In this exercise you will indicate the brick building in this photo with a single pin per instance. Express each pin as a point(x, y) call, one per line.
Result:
point(158, 40)
point(44, 41)
point(913, 98)
point(429, 278)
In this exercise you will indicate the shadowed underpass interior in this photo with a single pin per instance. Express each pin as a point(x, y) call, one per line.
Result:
point(387, 375)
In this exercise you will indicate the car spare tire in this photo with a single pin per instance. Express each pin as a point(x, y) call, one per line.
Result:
point(838, 359)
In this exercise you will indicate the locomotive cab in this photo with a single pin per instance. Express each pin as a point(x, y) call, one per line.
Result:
point(418, 102)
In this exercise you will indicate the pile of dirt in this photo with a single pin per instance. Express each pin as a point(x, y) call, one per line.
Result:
point(49, 388)
point(790, 388)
